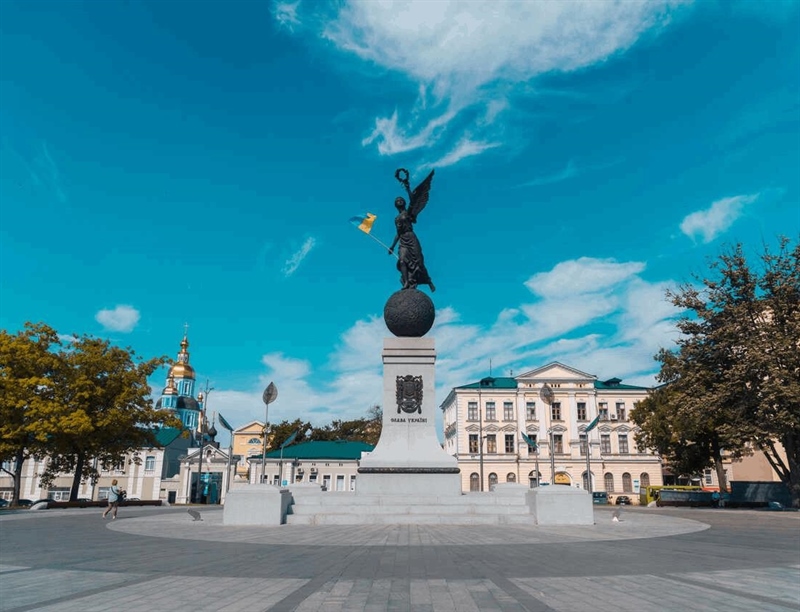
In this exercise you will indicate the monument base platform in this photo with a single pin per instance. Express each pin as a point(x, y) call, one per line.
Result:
point(508, 504)
point(408, 481)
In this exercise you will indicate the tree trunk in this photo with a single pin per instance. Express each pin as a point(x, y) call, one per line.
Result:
point(19, 460)
point(721, 478)
point(76, 479)
point(792, 446)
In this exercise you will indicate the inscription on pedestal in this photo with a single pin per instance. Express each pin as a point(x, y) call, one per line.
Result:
point(409, 394)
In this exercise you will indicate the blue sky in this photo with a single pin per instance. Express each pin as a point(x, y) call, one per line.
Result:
point(164, 163)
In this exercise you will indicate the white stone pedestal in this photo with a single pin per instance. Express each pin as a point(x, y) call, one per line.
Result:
point(408, 459)
point(561, 505)
point(257, 504)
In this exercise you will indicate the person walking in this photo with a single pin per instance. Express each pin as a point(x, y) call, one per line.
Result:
point(114, 497)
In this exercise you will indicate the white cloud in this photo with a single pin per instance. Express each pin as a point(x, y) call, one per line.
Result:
point(465, 148)
point(122, 318)
point(291, 265)
point(709, 223)
point(467, 54)
point(286, 14)
point(584, 275)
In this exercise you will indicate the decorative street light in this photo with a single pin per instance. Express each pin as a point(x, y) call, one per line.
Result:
point(203, 397)
point(547, 396)
point(269, 396)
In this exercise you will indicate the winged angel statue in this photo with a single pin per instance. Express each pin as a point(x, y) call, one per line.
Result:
point(410, 261)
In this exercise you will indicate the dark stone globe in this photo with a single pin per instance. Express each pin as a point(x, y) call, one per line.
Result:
point(409, 313)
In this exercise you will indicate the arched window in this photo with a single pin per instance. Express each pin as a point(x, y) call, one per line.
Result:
point(492, 480)
point(532, 479)
point(511, 477)
point(644, 480)
point(254, 441)
point(626, 483)
point(474, 482)
point(609, 478)
point(585, 482)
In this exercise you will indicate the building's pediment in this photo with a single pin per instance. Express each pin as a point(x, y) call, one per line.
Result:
point(555, 372)
point(473, 428)
point(251, 427)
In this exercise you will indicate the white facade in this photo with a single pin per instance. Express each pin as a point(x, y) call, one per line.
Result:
point(484, 421)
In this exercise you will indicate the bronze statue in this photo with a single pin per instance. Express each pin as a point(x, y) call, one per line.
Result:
point(410, 261)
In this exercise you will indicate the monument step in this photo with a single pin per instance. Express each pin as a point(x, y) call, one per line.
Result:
point(415, 509)
point(347, 499)
point(363, 518)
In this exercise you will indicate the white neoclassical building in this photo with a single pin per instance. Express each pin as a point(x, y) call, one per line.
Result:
point(553, 406)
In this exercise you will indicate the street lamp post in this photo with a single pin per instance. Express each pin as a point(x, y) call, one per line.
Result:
point(203, 397)
point(480, 430)
point(269, 396)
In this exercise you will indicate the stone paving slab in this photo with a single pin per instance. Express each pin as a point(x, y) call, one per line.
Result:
point(159, 559)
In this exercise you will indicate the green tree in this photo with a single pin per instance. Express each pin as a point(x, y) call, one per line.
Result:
point(735, 375)
point(27, 395)
point(280, 432)
point(106, 410)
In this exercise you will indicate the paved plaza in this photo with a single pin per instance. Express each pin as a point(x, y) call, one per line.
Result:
point(160, 559)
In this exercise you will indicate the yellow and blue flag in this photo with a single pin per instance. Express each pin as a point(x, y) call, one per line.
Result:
point(364, 222)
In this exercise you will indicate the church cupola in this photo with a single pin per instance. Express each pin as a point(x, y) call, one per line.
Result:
point(182, 372)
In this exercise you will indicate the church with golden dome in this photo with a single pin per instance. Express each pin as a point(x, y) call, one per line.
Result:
point(178, 395)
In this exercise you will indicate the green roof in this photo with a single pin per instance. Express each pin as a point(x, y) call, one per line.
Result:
point(616, 383)
point(334, 450)
point(501, 382)
point(167, 435)
point(505, 382)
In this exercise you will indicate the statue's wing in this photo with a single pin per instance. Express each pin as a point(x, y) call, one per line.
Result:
point(419, 197)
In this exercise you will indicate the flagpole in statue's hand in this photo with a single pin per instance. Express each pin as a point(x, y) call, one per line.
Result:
point(364, 223)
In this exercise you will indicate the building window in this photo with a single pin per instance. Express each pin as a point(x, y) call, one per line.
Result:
point(555, 411)
point(511, 477)
point(585, 482)
point(609, 480)
point(473, 444)
point(254, 441)
point(352, 482)
point(535, 447)
point(621, 412)
point(644, 480)
point(605, 444)
point(149, 463)
point(472, 411)
point(708, 477)
point(508, 411)
point(491, 414)
point(583, 444)
point(627, 487)
point(603, 411)
point(492, 480)
point(533, 480)
point(474, 482)
point(623, 444)
point(340, 482)
point(491, 443)
point(558, 443)
point(581, 411)
point(530, 411)
point(509, 443)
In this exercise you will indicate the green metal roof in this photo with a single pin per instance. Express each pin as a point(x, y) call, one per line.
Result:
point(505, 382)
point(616, 383)
point(333, 450)
point(167, 435)
point(501, 382)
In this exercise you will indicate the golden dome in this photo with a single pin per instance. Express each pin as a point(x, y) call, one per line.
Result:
point(182, 370)
point(170, 388)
